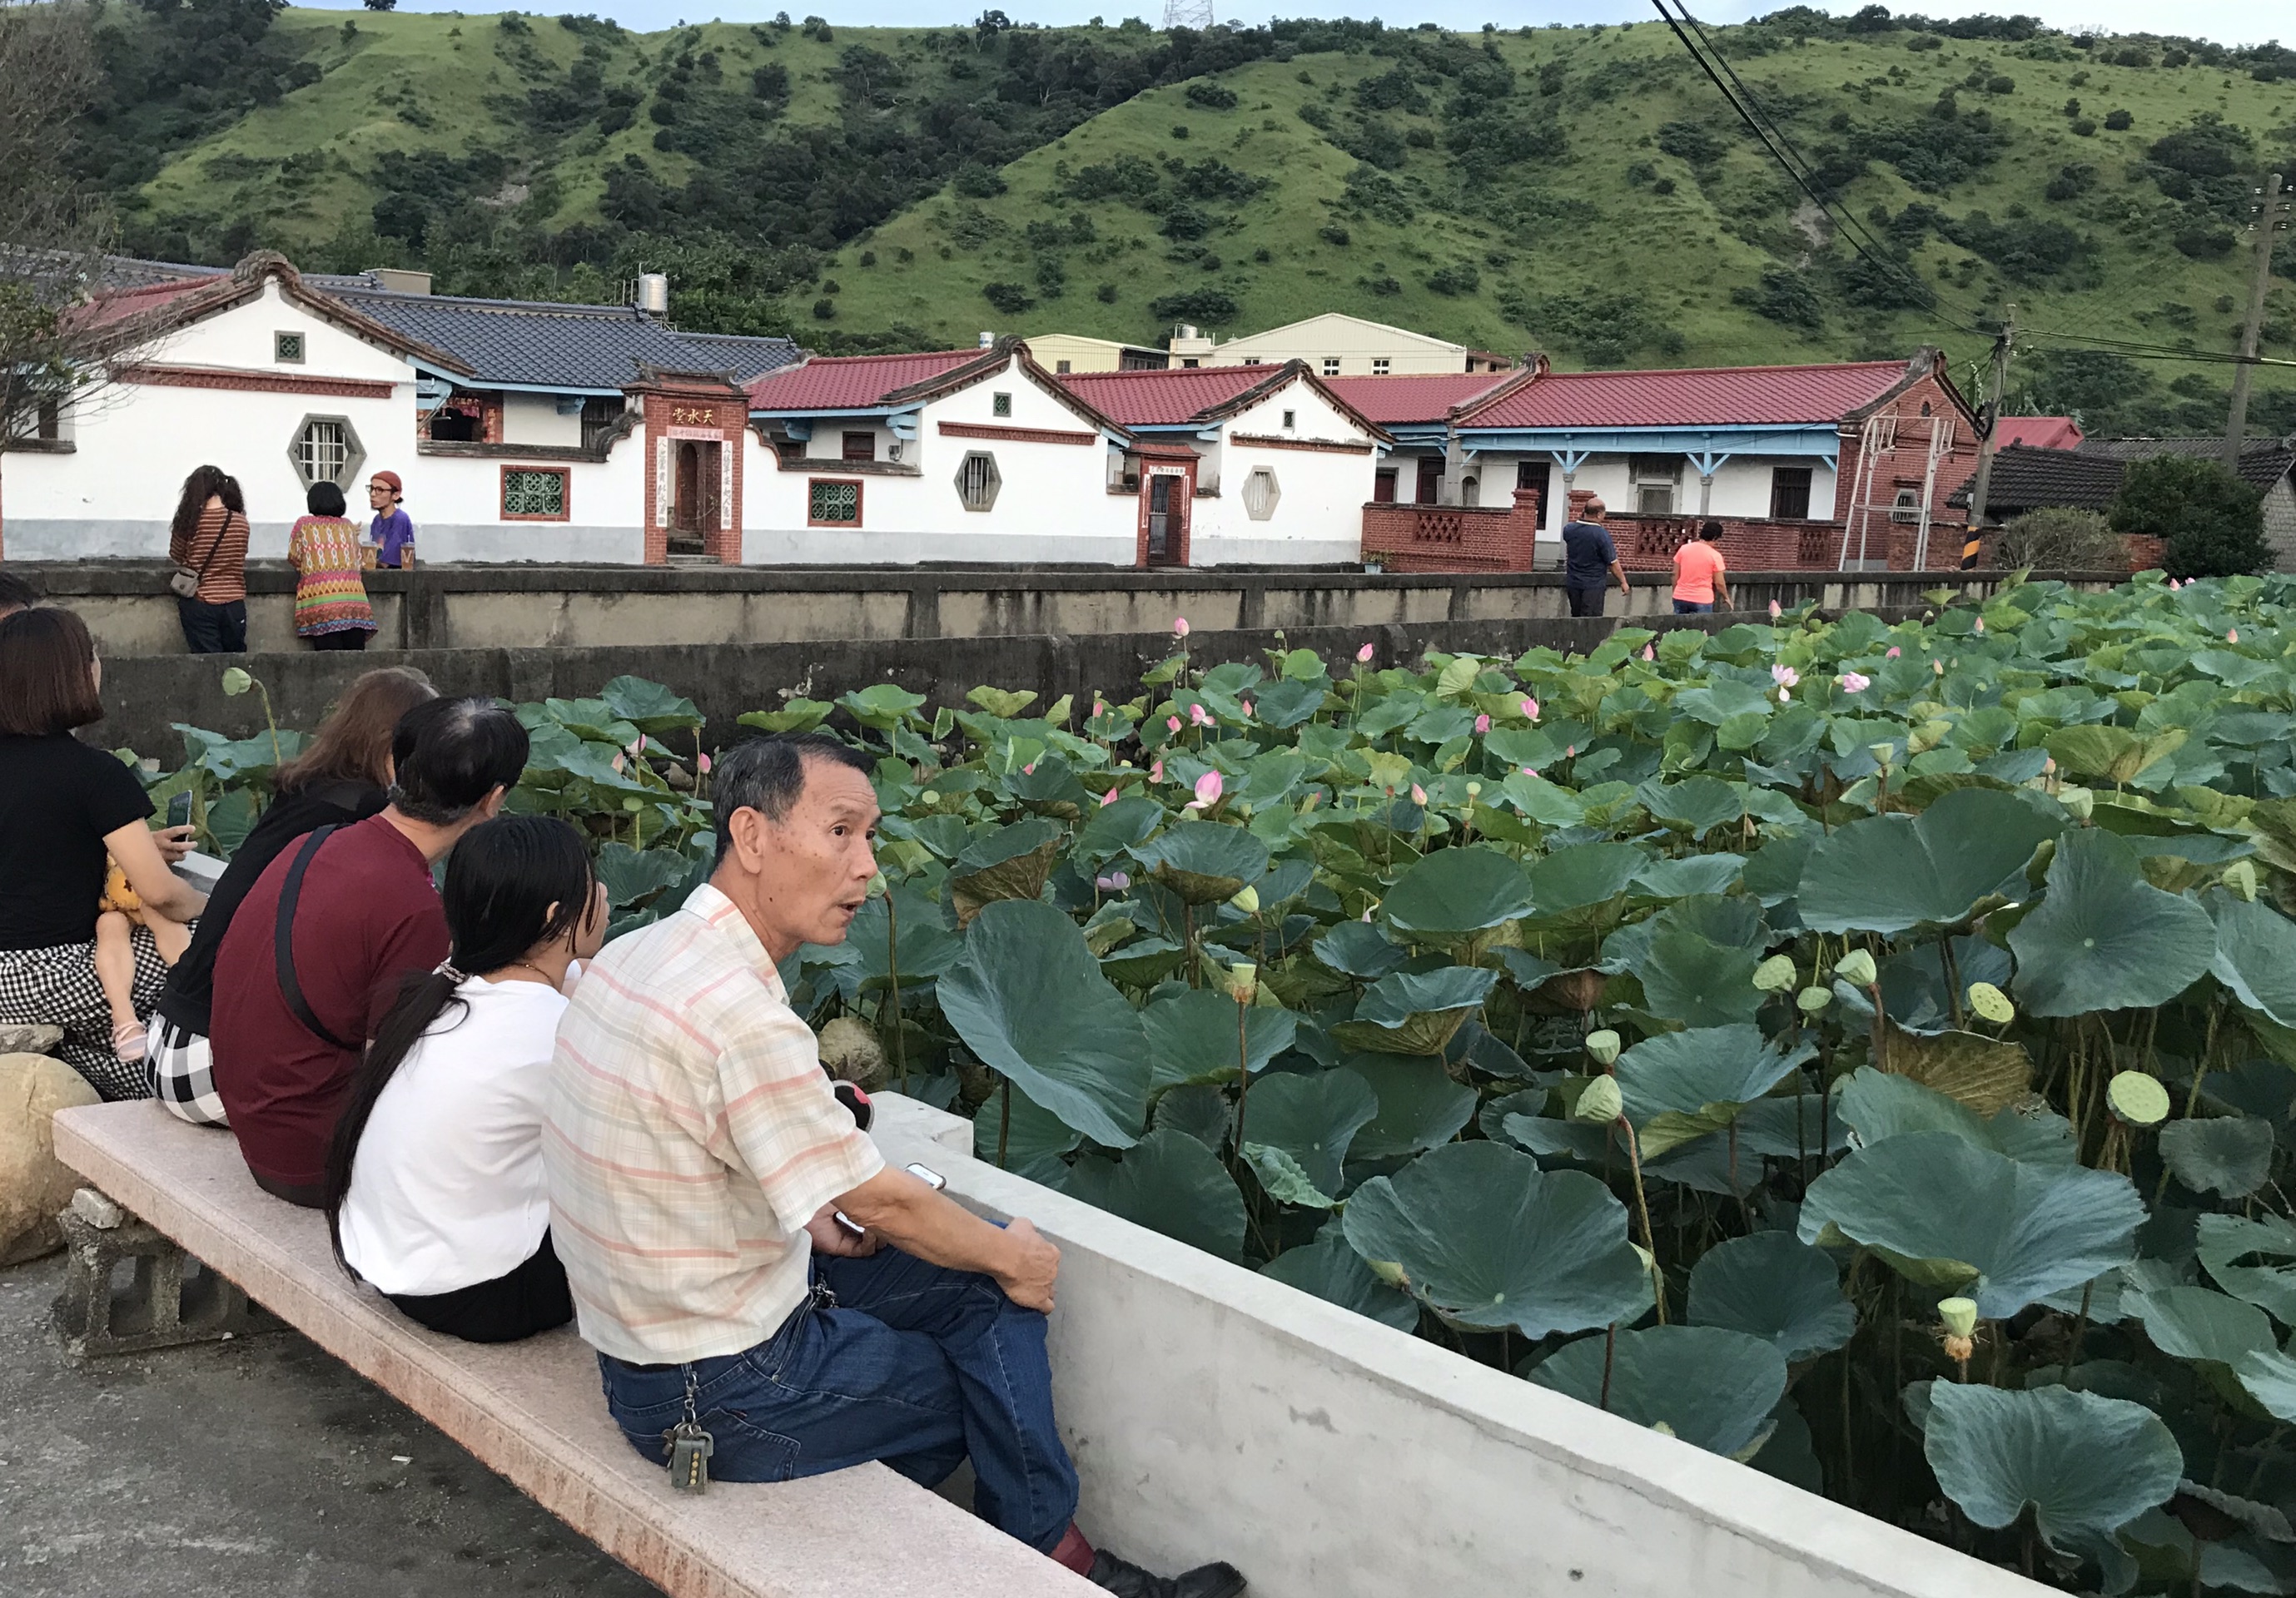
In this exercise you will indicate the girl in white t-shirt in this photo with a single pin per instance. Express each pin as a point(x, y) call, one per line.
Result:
point(434, 1184)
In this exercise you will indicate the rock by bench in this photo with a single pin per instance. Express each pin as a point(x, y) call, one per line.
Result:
point(532, 1411)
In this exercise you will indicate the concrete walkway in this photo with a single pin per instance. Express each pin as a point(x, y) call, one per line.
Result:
point(261, 1466)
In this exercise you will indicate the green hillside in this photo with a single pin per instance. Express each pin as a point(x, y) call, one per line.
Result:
point(1583, 191)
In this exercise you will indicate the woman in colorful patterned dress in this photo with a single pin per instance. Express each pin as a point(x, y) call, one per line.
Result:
point(331, 604)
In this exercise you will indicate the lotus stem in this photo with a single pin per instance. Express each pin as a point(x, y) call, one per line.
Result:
point(1004, 1124)
point(893, 975)
point(2208, 1052)
point(1642, 1210)
point(1610, 1349)
point(1242, 1076)
point(2080, 1327)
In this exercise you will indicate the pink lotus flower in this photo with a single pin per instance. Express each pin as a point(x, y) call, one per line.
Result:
point(2172, 585)
point(1171, 724)
point(617, 762)
point(1776, 610)
point(1978, 625)
point(1569, 754)
point(638, 744)
point(2049, 767)
point(1855, 681)
point(1179, 626)
point(1531, 771)
point(1530, 709)
point(1247, 708)
point(1938, 667)
point(1483, 724)
point(1029, 770)
point(1100, 707)
point(703, 762)
point(1156, 772)
point(2232, 634)
point(1115, 882)
point(1197, 716)
point(1108, 798)
point(1418, 796)
point(1363, 655)
point(1894, 652)
point(1784, 676)
point(1208, 791)
point(1649, 653)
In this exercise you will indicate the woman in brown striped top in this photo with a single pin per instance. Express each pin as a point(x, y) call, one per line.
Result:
point(209, 537)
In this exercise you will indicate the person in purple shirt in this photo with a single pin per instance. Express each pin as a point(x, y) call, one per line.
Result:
point(392, 532)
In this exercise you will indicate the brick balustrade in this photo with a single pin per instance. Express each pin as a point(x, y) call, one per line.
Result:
point(1412, 537)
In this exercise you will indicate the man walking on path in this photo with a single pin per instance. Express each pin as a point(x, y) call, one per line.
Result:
point(1590, 562)
point(757, 1283)
point(392, 532)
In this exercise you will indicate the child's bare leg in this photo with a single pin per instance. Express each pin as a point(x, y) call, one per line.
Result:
point(172, 937)
point(115, 970)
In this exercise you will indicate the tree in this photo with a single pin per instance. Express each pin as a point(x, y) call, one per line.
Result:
point(2060, 538)
point(57, 341)
point(382, 5)
point(2211, 523)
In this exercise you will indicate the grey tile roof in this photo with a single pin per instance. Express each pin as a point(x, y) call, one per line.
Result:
point(2026, 479)
point(2263, 462)
point(553, 346)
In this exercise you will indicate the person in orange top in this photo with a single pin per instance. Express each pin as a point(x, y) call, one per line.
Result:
point(1698, 572)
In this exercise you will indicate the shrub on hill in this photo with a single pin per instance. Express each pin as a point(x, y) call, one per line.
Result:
point(2211, 521)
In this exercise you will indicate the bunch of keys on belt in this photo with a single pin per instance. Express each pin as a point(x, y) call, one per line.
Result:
point(925, 1173)
point(689, 1448)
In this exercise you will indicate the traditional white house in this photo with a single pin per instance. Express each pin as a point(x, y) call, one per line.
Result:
point(522, 431)
point(1242, 465)
point(1336, 345)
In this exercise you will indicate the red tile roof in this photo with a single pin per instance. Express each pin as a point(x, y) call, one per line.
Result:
point(1415, 396)
point(1713, 396)
point(1164, 398)
point(2038, 432)
point(851, 382)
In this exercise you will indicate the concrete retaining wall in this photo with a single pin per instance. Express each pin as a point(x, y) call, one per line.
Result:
point(128, 605)
point(1214, 1414)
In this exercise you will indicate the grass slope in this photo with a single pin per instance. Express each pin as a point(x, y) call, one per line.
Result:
point(1592, 241)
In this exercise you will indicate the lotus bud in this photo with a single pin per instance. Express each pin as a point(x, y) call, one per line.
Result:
point(1600, 1104)
point(1171, 724)
point(1649, 653)
point(1530, 709)
point(1247, 710)
point(1418, 796)
point(1893, 653)
point(1938, 667)
point(1958, 1316)
point(1247, 900)
point(1199, 717)
point(1775, 974)
point(1208, 788)
point(1179, 626)
point(1363, 655)
point(1662, 1429)
point(1978, 625)
point(2137, 1099)
point(1156, 771)
point(877, 889)
point(1108, 798)
point(617, 761)
point(1856, 968)
point(1603, 1047)
point(237, 682)
point(703, 762)
point(2049, 767)
point(1531, 771)
point(1482, 724)
point(1992, 1003)
point(1776, 610)
point(2232, 634)
point(1809, 1001)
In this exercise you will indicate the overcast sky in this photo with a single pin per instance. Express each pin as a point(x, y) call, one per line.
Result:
point(2228, 21)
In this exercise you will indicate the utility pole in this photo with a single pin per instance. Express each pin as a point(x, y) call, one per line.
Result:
point(1989, 418)
point(2267, 222)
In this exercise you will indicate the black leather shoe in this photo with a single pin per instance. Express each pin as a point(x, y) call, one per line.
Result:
point(1129, 1580)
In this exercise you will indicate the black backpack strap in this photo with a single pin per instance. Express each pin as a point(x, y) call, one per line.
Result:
point(282, 943)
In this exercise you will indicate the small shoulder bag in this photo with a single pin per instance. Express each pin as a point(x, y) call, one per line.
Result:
point(184, 582)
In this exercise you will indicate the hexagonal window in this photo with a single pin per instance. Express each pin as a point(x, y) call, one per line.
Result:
point(1261, 493)
point(978, 481)
point(326, 449)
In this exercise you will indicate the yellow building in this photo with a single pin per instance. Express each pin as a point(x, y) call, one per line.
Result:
point(1336, 345)
point(1072, 352)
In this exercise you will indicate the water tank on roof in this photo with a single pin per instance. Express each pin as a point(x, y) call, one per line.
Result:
point(653, 294)
point(988, 339)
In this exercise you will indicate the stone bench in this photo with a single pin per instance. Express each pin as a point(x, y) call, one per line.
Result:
point(532, 1411)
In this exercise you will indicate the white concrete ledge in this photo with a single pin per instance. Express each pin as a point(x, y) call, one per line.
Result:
point(1217, 1415)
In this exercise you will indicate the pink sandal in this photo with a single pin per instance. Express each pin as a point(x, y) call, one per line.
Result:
point(130, 1042)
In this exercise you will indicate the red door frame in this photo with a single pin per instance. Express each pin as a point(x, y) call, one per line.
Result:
point(1180, 464)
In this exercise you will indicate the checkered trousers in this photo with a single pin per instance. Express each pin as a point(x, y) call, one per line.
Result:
point(58, 986)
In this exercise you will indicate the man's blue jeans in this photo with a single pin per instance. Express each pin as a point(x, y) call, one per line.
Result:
point(914, 1365)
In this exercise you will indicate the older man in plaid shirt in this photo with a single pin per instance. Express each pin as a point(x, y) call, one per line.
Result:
point(698, 1161)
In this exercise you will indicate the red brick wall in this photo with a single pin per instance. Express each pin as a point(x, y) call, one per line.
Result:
point(1419, 539)
point(1747, 544)
point(677, 407)
point(1904, 464)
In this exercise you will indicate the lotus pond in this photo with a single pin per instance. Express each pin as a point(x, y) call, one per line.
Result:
point(1866, 1052)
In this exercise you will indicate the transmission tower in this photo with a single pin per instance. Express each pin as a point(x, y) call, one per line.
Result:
point(1188, 13)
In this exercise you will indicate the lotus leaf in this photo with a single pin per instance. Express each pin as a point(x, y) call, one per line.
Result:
point(882, 706)
point(1192, 1037)
point(1408, 1012)
point(1034, 1138)
point(1283, 1179)
point(2270, 1378)
point(1948, 1214)
point(1890, 874)
point(1703, 874)
point(1012, 863)
point(2194, 1322)
point(1773, 1286)
point(1583, 875)
point(649, 707)
point(1203, 1113)
point(1169, 1183)
point(1420, 1107)
point(1451, 894)
point(1987, 1074)
point(1701, 983)
point(1881, 1104)
point(1203, 861)
point(2255, 954)
point(1485, 1238)
point(1330, 1269)
point(796, 716)
point(1028, 998)
point(2103, 938)
point(2224, 1241)
point(1694, 804)
point(631, 875)
point(1357, 948)
point(1713, 1387)
point(1542, 801)
point(2230, 1155)
point(1683, 1084)
point(1313, 1118)
point(2088, 1465)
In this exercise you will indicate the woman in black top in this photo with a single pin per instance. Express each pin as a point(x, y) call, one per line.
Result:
point(63, 805)
point(340, 778)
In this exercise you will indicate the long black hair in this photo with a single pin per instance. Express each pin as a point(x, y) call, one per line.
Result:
point(205, 483)
point(511, 884)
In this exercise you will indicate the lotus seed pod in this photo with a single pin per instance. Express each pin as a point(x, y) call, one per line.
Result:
point(2138, 1098)
point(237, 682)
point(1388, 1270)
point(1599, 1104)
point(1856, 968)
point(1247, 900)
point(1992, 1003)
point(1603, 1047)
point(1811, 1000)
point(1662, 1429)
point(1775, 974)
point(1244, 980)
point(876, 887)
point(1959, 1316)
point(2080, 801)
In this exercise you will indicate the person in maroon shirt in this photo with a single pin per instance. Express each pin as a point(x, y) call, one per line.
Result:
point(366, 917)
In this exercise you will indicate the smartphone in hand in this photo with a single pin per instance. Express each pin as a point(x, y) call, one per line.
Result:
point(179, 809)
